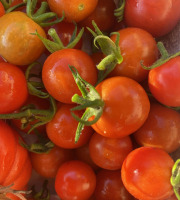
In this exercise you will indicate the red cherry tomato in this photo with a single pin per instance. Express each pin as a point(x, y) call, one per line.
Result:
point(15, 165)
point(13, 88)
point(161, 129)
point(164, 84)
point(157, 17)
point(75, 11)
point(61, 129)
point(47, 164)
point(58, 78)
point(75, 180)
point(2, 10)
point(146, 173)
point(126, 107)
point(103, 15)
point(109, 186)
point(136, 45)
point(109, 153)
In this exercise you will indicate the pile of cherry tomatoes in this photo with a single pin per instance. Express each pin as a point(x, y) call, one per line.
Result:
point(89, 100)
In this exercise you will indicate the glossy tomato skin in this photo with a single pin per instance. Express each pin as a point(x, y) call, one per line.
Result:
point(163, 82)
point(15, 166)
point(75, 180)
point(103, 15)
point(109, 186)
point(146, 173)
point(76, 10)
point(157, 17)
point(12, 83)
point(126, 107)
point(47, 164)
point(109, 153)
point(58, 78)
point(17, 45)
point(161, 129)
point(136, 45)
point(62, 128)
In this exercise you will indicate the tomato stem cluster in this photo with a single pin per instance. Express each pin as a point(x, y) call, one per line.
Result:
point(119, 12)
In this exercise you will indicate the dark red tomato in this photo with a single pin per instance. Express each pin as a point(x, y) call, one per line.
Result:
point(62, 128)
point(103, 15)
point(161, 129)
point(58, 78)
point(13, 88)
point(164, 84)
point(65, 32)
point(109, 153)
point(17, 45)
point(157, 17)
point(146, 173)
point(97, 57)
point(1, 59)
point(2, 10)
point(36, 103)
point(75, 180)
point(47, 164)
point(82, 154)
point(76, 11)
point(126, 107)
point(136, 45)
point(15, 165)
point(109, 186)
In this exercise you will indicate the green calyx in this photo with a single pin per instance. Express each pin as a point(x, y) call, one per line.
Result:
point(90, 101)
point(119, 12)
point(175, 178)
point(28, 113)
point(40, 16)
point(165, 57)
point(109, 48)
point(57, 44)
point(7, 5)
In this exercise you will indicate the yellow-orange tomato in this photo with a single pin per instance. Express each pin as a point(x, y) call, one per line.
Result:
point(17, 45)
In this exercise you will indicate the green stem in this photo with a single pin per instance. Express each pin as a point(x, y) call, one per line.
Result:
point(165, 57)
point(6, 3)
point(119, 12)
point(175, 178)
point(90, 101)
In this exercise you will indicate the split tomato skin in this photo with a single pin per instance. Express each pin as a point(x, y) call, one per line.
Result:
point(15, 166)
point(136, 45)
point(126, 107)
point(17, 45)
point(163, 82)
point(156, 17)
point(57, 77)
point(12, 83)
point(146, 173)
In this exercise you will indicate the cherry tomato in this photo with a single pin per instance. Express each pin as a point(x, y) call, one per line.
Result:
point(17, 45)
point(163, 82)
point(2, 10)
point(58, 78)
point(15, 165)
point(65, 31)
point(103, 15)
point(75, 180)
point(13, 88)
point(76, 11)
point(47, 164)
point(61, 129)
point(126, 107)
point(109, 153)
point(157, 17)
point(161, 129)
point(109, 186)
point(136, 45)
point(146, 173)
